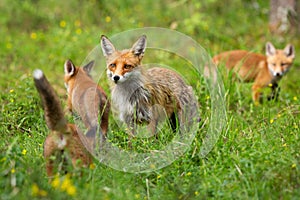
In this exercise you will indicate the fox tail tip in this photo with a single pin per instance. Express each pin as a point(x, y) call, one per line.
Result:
point(38, 74)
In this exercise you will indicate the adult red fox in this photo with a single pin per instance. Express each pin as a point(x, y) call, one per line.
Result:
point(64, 141)
point(146, 96)
point(86, 98)
point(264, 70)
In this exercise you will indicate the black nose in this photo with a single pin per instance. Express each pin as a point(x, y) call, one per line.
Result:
point(116, 78)
point(277, 74)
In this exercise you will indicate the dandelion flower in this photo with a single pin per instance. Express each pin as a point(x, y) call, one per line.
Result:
point(189, 173)
point(11, 91)
point(295, 98)
point(78, 31)
point(13, 170)
point(56, 182)
point(196, 193)
point(271, 121)
point(33, 35)
point(24, 151)
point(92, 166)
point(62, 24)
point(108, 19)
point(293, 165)
point(8, 45)
point(71, 190)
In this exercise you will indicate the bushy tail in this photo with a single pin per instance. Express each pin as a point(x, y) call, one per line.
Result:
point(54, 114)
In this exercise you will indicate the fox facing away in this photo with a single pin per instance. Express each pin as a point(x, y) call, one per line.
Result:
point(86, 98)
point(146, 96)
point(64, 141)
point(264, 70)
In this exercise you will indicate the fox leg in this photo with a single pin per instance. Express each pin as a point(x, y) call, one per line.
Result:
point(275, 92)
point(256, 93)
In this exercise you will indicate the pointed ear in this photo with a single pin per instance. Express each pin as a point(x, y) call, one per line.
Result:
point(69, 68)
point(88, 67)
point(289, 51)
point(270, 49)
point(139, 46)
point(106, 45)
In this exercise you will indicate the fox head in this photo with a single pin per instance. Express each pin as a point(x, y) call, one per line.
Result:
point(125, 64)
point(279, 61)
point(71, 72)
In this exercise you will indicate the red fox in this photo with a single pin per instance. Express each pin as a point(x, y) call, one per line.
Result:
point(264, 70)
point(144, 96)
point(86, 98)
point(64, 140)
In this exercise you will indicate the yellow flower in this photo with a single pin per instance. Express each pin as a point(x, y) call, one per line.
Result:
point(65, 184)
point(270, 85)
point(196, 193)
point(278, 115)
point(36, 191)
point(56, 182)
point(284, 145)
point(62, 24)
point(108, 19)
point(137, 196)
point(293, 165)
point(271, 121)
point(295, 98)
point(158, 176)
point(71, 190)
point(8, 45)
point(189, 173)
point(92, 166)
point(78, 31)
point(11, 91)
point(24, 151)
point(33, 35)
point(13, 170)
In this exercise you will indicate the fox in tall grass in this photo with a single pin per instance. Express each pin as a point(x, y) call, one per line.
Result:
point(264, 70)
point(87, 98)
point(146, 96)
point(64, 140)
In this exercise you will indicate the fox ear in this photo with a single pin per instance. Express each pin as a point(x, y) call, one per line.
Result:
point(289, 51)
point(88, 67)
point(106, 45)
point(270, 49)
point(139, 46)
point(69, 68)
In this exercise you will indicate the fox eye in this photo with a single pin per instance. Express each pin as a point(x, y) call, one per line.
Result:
point(113, 65)
point(128, 66)
point(283, 64)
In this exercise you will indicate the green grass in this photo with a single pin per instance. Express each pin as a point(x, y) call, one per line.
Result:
point(256, 156)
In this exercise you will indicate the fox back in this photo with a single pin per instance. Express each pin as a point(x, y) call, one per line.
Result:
point(145, 96)
point(63, 138)
point(86, 98)
point(263, 70)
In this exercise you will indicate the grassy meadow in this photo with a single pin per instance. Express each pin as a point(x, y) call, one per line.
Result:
point(256, 156)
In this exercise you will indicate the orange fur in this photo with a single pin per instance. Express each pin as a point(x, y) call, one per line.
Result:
point(64, 140)
point(86, 98)
point(146, 96)
point(263, 70)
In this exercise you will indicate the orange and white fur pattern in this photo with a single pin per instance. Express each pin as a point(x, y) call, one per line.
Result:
point(263, 70)
point(146, 96)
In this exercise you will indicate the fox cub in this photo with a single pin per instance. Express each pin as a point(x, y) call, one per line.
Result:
point(86, 98)
point(64, 141)
point(264, 70)
point(146, 96)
